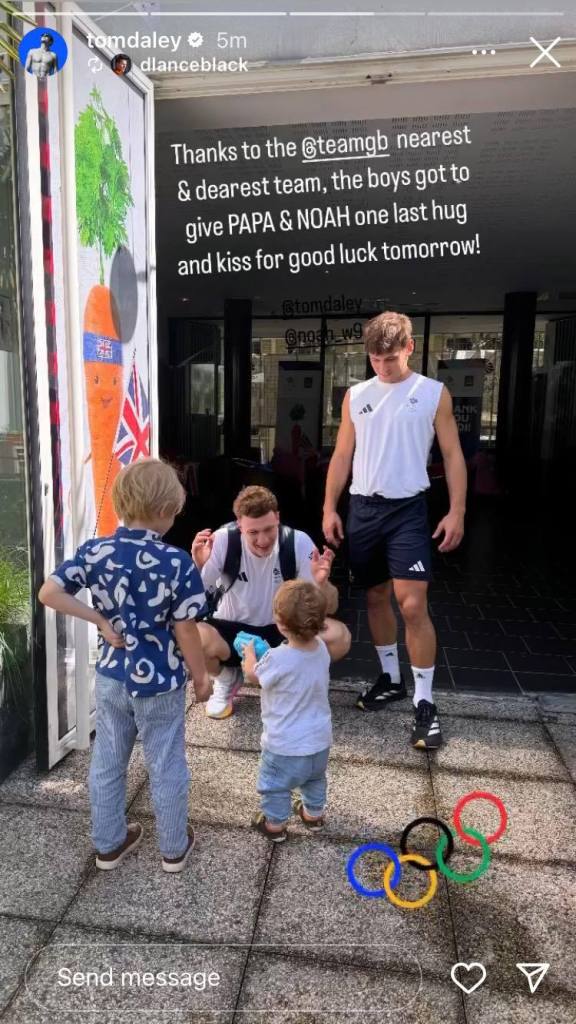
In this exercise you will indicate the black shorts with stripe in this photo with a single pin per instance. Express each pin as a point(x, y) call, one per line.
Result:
point(388, 538)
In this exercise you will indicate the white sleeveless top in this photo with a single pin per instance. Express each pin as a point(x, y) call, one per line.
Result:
point(394, 426)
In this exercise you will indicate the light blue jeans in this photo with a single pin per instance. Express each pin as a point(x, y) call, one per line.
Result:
point(280, 774)
point(159, 720)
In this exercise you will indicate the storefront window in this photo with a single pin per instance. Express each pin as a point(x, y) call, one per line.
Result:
point(15, 609)
point(471, 337)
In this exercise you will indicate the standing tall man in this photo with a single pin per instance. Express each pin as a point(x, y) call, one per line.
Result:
point(387, 430)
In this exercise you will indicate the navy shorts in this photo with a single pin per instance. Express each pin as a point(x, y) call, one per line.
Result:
point(229, 631)
point(388, 538)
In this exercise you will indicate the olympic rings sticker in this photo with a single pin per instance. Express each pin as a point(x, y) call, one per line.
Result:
point(392, 872)
point(382, 848)
point(481, 795)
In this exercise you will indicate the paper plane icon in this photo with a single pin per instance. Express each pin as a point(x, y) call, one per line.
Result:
point(534, 973)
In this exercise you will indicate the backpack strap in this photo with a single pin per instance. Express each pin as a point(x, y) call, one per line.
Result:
point(287, 553)
point(233, 558)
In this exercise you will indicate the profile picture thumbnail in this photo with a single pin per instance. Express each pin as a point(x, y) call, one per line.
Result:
point(121, 64)
point(43, 52)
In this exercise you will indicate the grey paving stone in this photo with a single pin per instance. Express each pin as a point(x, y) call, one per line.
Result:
point(241, 731)
point(309, 900)
point(487, 1007)
point(44, 854)
point(495, 745)
point(374, 736)
point(222, 790)
point(289, 990)
point(541, 815)
point(125, 998)
point(19, 941)
point(66, 785)
point(564, 737)
point(517, 913)
point(214, 899)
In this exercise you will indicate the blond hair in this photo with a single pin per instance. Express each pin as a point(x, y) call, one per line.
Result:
point(300, 608)
point(255, 502)
point(387, 333)
point(147, 490)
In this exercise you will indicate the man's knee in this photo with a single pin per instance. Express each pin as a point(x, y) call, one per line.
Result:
point(380, 596)
point(413, 607)
point(337, 638)
point(214, 647)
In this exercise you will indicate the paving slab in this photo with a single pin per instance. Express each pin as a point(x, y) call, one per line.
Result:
point(222, 790)
point(66, 785)
point(308, 899)
point(125, 982)
point(517, 913)
point(19, 941)
point(465, 705)
point(487, 1007)
point(241, 731)
point(363, 800)
point(521, 748)
point(289, 990)
point(215, 899)
point(541, 814)
point(374, 736)
point(44, 855)
point(564, 738)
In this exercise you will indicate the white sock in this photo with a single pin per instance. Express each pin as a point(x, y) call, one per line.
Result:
point(389, 661)
point(422, 684)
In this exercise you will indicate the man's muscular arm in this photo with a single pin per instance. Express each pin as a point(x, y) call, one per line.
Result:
point(338, 473)
point(452, 525)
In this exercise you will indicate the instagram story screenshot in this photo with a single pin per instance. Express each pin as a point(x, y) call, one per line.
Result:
point(287, 560)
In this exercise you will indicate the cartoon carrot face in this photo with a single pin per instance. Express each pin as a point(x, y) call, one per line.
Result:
point(104, 392)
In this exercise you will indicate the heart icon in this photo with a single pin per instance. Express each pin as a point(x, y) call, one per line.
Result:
point(468, 989)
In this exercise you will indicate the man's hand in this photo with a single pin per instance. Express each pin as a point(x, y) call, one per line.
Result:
point(332, 528)
point(321, 565)
point(202, 548)
point(109, 633)
point(202, 688)
point(452, 526)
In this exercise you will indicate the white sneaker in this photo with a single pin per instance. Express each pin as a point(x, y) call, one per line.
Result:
point(226, 686)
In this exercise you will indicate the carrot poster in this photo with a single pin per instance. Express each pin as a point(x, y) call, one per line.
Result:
point(103, 198)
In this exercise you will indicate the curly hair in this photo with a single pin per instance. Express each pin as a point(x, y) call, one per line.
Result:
point(255, 501)
point(300, 607)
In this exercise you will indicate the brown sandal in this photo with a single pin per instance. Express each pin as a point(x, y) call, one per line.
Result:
point(314, 824)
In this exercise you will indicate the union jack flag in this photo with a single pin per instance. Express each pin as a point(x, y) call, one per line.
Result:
point(133, 437)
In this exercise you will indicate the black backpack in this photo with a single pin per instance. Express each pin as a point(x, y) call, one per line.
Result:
point(231, 570)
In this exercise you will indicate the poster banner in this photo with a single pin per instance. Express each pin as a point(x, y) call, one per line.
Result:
point(464, 379)
point(298, 408)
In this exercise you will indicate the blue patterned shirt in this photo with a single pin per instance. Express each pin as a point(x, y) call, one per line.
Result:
point(141, 585)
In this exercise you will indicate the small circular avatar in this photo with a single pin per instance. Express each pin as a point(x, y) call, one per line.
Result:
point(121, 64)
point(43, 53)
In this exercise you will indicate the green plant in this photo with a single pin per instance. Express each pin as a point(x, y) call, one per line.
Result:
point(10, 38)
point(14, 618)
point(102, 181)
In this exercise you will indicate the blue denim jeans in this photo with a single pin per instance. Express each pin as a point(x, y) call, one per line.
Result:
point(280, 774)
point(159, 721)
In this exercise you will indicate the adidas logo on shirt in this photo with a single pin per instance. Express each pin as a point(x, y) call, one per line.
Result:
point(417, 567)
point(367, 408)
point(243, 577)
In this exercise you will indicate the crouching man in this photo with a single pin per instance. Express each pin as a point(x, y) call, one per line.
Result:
point(242, 565)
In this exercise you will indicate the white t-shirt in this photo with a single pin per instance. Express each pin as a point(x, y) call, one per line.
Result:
point(250, 597)
point(295, 709)
point(394, 426)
